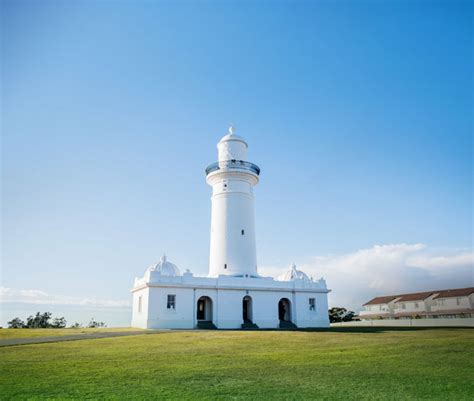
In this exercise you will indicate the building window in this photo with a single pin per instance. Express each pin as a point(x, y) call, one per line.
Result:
point(403, 306)
point(312, 304)
point(242, 232)
point(171, 304)
point(225, 266)
point(441, 302)
point(140, 304)
point(458, 301)
point(416, 305)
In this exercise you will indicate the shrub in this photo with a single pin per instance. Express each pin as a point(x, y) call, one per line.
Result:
point(93, 324)
point(59, 323)
point(338, 314)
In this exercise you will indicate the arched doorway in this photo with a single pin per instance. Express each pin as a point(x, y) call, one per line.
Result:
point(247, 312)
point(204, 309)
point(284, 310)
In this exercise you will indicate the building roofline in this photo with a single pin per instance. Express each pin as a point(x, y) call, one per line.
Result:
point(421, 296)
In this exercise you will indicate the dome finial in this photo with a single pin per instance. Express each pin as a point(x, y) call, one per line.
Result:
point(231, 129)
point(163, 258)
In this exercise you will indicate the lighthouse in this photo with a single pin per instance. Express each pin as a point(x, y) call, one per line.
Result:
point(233, 295)
point(232, 178)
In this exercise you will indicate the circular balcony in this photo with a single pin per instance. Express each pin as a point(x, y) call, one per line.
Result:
point(233, 165)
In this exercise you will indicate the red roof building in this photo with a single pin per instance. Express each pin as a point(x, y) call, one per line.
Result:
point(458, 302)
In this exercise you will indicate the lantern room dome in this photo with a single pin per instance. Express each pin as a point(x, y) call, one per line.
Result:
point(232, 147)
point(232, 136)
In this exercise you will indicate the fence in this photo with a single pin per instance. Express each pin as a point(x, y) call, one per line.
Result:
point(455, 322)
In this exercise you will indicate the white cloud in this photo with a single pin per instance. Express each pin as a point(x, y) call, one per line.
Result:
point(39, 297)
point(435, 262)
point(388, 269)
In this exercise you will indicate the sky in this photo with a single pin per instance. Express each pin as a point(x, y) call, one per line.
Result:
point(360, 115)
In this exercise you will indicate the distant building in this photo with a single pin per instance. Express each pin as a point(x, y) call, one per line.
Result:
point(455, 303)
point(233, 295)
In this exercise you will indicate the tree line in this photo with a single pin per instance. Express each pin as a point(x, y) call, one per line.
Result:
point(45, 321)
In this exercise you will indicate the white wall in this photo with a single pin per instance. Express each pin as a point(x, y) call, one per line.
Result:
point(411, 306)
point(308, 318)
point(139, 319)
point(451, 303)
point(159, 316)
point(455, 322)
point(379, 308)
point(226, 306)
point(232, 212)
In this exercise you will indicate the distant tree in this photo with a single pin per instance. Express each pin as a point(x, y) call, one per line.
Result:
point(59, 323)
point(16, 323)
point(39, 321)
point(338, 314)
point(76, 326)
point(93, 324)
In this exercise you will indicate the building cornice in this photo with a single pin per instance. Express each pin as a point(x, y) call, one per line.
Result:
point(229, 287)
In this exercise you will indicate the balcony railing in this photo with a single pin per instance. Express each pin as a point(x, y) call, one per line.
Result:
point(233, 165)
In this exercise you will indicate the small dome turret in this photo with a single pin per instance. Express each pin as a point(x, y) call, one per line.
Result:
point(165, 268)
point(292, 274)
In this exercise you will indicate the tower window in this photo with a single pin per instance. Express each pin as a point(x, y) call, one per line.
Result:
point(312, 304)
point(225, 266)
point(171, 304)
point(140, 304)
point(243, 232)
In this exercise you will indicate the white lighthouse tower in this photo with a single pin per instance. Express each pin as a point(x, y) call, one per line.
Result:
point(233, 295)
point(233, 248)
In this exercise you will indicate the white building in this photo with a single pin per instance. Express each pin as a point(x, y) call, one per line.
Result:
point(454, 303)
point(233, 295)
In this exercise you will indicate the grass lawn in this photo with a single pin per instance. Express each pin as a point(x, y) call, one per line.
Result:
point(32, 333)
point(342, 364)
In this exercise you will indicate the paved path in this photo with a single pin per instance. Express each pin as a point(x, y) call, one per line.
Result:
point(73, 337)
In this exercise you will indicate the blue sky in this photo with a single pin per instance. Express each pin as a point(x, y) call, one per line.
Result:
point(360, 115)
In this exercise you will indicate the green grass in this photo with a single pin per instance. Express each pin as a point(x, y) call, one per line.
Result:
point(33, 333)
point(338, 364)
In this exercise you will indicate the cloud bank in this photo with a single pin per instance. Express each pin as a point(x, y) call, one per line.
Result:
point(388, 269)
point(38, 297)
